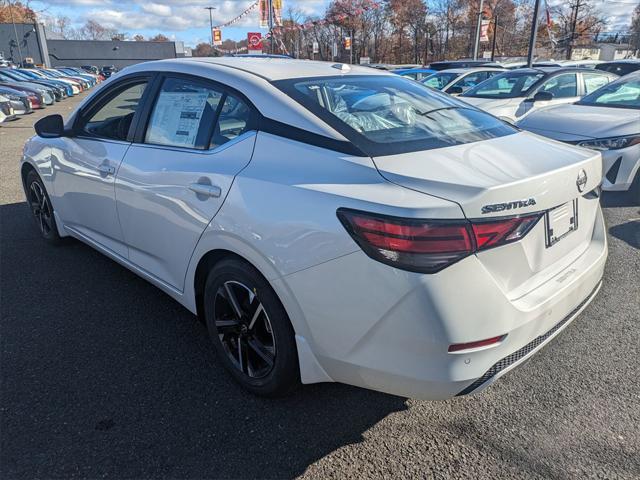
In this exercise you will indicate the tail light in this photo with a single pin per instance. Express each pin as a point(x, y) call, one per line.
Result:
point(428, 246)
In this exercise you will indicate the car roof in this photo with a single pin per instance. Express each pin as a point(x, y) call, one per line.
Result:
point(413, 70)
point(273, 69)
point(622, 60)
point(552, 69)
point(490, 68)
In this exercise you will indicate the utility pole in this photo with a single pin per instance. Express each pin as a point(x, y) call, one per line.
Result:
point(574, 25)
point(210, 22)
point(495, 34)
point(534, 33)
point(477, 41)
point(270, 2)
point(15, 31)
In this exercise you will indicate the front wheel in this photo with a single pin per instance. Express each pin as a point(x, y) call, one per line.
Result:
point(250, 329)
point(41, 208)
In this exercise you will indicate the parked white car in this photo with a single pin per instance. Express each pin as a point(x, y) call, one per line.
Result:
point(608, 120)
point(516, 93)
point(6, 110)
point(455, 81)
point(326, 220)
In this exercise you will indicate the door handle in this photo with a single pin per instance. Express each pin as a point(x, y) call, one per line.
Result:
point(106, 169)
point(206, 190)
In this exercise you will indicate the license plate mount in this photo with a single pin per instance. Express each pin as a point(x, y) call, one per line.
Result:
point(560, 222)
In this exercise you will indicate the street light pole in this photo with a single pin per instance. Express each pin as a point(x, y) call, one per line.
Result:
point(210, 22)
point(477, 40)
point(534, 33)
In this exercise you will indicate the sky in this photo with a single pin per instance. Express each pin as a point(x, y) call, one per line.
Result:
point(188, 21)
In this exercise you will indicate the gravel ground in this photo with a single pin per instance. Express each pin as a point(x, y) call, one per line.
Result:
point(105, 376)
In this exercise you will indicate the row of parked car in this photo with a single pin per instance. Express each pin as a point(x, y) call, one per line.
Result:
point(23, 90)
point(588, 103)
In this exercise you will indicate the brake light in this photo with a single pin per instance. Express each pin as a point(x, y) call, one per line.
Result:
point(428, 246)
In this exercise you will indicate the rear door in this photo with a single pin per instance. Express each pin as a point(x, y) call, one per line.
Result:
point(176, 175)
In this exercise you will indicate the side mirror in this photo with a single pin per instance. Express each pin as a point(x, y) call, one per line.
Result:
point(541, 97)
point(51, 126)
point(455, 90)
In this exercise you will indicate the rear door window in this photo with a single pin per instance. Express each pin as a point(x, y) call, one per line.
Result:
point(561, 86)
point(233, 121)
point(593, 81)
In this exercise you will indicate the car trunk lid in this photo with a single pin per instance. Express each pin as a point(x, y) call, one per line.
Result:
point(517, 174)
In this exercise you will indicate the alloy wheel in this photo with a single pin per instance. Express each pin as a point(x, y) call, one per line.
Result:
point(40, 208)
point(244, 329)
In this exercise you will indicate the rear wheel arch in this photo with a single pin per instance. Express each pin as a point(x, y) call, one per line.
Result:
point(205, 264)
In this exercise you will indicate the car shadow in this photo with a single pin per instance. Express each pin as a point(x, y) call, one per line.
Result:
point(105, 376)
point(628, 232)
point(619, 199)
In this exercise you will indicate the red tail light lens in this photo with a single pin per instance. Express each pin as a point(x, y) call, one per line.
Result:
point(425, 246)
point(493, 233)
point(428, 246)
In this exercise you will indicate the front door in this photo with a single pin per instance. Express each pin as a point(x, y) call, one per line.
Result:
point(85, 165)
point(563, 87)
point(175, 177)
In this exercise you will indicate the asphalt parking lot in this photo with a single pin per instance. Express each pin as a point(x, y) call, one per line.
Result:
point(105, 376)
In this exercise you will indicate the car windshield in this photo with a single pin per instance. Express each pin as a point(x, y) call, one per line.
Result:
point(29, 74)
point(623, 93)
point(440, 80)
point(384, 115)
point(19, 75)
point(506, 85)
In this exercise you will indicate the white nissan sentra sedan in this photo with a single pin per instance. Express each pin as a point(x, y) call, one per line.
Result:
point(329, 223)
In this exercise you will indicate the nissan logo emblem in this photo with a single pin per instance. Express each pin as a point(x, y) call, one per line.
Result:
point(581, 181)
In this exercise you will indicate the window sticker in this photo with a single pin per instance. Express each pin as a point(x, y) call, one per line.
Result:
point(176, 118)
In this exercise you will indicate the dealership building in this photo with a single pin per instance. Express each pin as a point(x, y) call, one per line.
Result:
point(28, 40)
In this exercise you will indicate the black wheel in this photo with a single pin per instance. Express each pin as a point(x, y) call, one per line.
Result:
point(41, 207)
point(250, 329)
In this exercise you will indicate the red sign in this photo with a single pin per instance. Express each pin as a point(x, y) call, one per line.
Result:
point(254, 41)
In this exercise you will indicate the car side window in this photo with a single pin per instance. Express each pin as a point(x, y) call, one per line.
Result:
point(561, 86)
point(184, 114)
point(233, 121)
point(113, 119)
point(472, 80)
point(593, 81)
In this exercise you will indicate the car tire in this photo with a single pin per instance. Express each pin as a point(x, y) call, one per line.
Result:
point(250, 329)
point(41, 208)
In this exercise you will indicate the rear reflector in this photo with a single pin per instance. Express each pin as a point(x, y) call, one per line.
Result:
point(428, 246)
point(457, 347)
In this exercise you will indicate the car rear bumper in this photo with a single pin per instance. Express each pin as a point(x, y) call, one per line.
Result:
point(385, 329)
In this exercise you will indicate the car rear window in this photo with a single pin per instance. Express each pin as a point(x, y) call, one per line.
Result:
point(621, 69)
point(385, 115)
